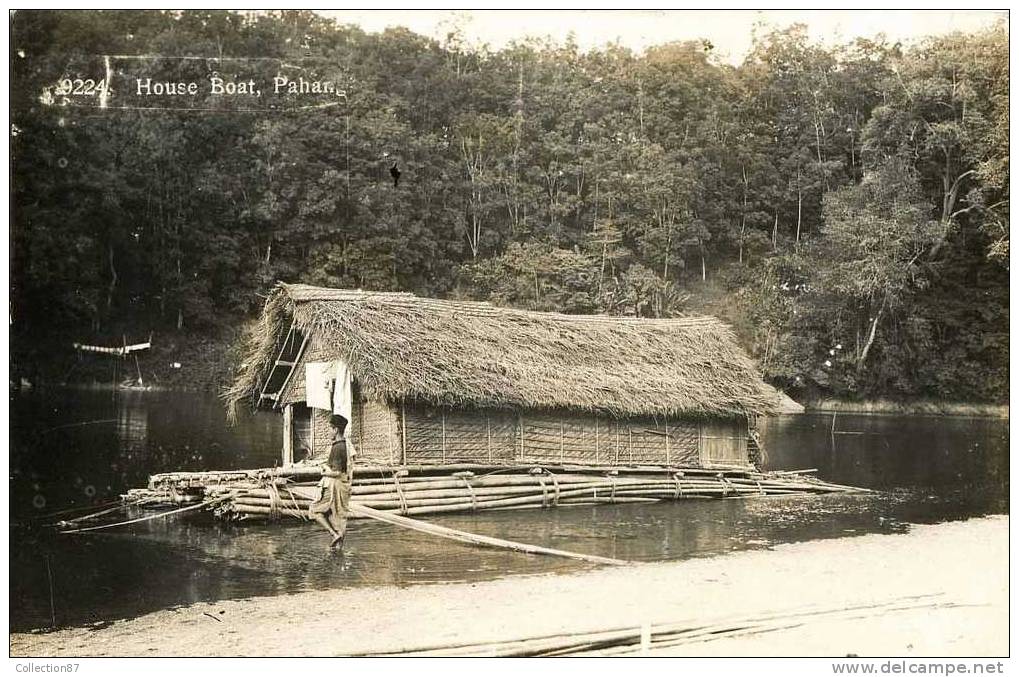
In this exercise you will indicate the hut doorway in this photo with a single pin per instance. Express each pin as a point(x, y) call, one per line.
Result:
point(298, 433)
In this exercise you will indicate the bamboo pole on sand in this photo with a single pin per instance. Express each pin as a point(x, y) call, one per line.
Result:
point(627, 639)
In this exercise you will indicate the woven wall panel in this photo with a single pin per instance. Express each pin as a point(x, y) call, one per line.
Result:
point(647, 444)
point(541, 440)
point(579, 440)
point(683, 444)
point(371, 432)
point(435, 435)
point(375, 440)
point(502, 428)
point(423, 434)
point(355, 433)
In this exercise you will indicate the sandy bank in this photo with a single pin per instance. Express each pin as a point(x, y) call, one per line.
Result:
point(964, 564)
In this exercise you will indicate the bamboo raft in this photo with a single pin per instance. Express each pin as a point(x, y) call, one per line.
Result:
point(272, 494)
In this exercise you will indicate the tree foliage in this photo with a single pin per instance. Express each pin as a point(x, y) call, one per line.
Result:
point(852, 196)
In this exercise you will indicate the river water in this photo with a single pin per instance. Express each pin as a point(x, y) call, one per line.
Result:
point(81, 448)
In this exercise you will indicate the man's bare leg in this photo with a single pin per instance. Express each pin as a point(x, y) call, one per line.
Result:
point(339, 529)
point(321, 519)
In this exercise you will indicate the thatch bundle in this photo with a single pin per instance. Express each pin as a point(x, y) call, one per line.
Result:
point(450, 353)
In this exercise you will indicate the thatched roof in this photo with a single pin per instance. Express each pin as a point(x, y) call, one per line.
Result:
point(400, 346)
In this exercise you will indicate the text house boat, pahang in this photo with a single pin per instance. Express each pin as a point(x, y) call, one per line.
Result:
point(456, 406)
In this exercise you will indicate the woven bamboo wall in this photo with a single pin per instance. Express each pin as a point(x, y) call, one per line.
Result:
point(436, 435)
point(604, 441)
point(375, 434)
point(439, 435)
point(415, 434)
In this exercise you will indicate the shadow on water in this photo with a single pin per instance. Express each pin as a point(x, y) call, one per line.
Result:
point(928, 469)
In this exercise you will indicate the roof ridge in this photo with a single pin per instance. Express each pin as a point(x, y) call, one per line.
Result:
point(305, 293)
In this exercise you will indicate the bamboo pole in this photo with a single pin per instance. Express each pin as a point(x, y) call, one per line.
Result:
point(668, 454)
point(475, 539)
point(410, 485)
point(288, 434)
point(520, 422)
point(508, 486)
point(628, 637)
point(390, 415)
point(121, 505)
point(267, 511)
point(403, 431)
point(313, 472)
point(443, 435)
point(562, 441)
point(147, 517)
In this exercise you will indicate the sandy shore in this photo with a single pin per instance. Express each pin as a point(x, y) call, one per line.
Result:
point(962, 566)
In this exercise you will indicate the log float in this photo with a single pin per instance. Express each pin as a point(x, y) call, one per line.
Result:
point(288, 491)
point(274, 494)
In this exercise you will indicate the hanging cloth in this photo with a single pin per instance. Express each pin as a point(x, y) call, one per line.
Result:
point(318, 386)
point(343, 399)
point(328, 386)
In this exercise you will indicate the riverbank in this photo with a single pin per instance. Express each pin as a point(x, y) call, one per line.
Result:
point(185, 361)
point(956, 574)
point(916, 408)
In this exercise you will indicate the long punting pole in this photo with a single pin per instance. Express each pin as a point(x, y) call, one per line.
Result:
point(474, 539)
point(204, 504)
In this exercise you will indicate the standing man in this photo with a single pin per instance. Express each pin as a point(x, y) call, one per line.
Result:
point(330, 510)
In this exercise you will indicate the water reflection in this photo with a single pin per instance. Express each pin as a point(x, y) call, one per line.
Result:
point(929, 469)
point(132, 426)
point(955, 459)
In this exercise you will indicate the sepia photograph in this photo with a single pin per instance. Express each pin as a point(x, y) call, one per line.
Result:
point(481, 333)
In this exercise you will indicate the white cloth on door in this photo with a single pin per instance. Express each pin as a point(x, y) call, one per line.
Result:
point(343, 399)
point(328, 386)
point(318, 384)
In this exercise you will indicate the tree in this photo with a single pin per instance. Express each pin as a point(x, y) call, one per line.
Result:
point(874, 240)
point(945, 108)
point(852, 195)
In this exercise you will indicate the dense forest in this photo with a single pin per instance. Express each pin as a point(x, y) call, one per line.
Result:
point(845, 208)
